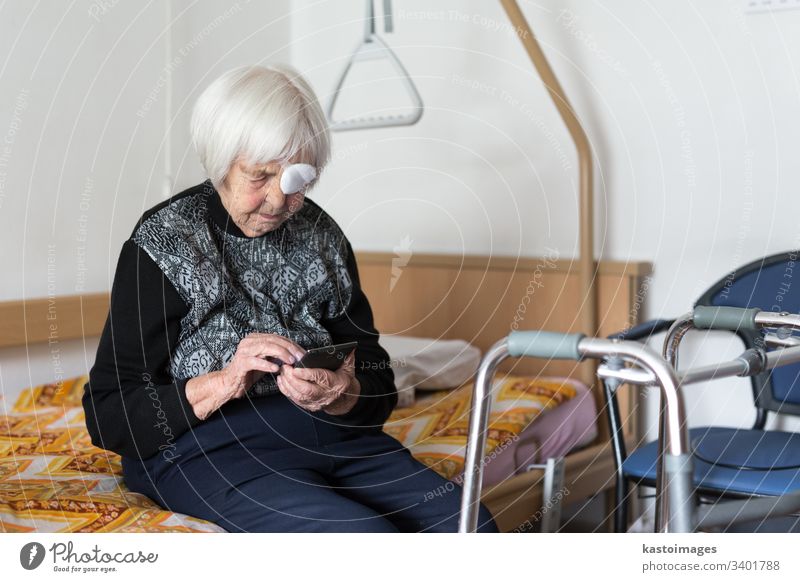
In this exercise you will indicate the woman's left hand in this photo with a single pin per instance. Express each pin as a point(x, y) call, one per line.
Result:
point(319, 389)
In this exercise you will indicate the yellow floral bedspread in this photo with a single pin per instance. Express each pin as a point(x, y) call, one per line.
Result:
point(52, 479)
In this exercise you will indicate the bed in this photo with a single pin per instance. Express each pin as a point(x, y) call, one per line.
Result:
point(52, 479)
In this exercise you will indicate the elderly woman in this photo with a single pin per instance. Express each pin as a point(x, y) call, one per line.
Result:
point(218, 292)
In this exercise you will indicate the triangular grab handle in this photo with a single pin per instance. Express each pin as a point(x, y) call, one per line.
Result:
point(374, 48)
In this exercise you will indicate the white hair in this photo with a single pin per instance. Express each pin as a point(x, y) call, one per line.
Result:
point(258, 114)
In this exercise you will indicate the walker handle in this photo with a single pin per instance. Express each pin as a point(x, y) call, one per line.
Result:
point(725, 318)
point(545, 344)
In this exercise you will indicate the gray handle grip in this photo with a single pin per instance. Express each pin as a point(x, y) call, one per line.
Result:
point(725, 318)
point(545, 344)
point(678, 474)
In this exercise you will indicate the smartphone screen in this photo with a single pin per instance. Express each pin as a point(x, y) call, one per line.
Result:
point(327, 357)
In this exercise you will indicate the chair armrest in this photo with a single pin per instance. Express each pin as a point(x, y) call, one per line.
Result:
point(643, 330)
point(755, 508)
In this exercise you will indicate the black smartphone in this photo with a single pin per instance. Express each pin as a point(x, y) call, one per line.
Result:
point(327, 357)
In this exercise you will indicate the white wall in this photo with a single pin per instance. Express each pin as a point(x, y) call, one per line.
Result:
point(691, 108)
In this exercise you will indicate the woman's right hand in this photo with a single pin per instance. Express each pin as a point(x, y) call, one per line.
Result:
point(208, 392)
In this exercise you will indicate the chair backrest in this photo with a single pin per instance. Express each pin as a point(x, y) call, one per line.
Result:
point(768, 284)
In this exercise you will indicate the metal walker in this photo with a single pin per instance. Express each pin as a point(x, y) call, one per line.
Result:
point(676, 507)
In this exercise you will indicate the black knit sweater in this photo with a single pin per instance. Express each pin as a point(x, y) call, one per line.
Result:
point(190, 285)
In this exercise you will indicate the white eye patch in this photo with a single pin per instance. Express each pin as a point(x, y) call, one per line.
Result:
point(296, 177)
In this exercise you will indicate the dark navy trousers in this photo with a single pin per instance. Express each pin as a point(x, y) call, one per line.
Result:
point(267, 465)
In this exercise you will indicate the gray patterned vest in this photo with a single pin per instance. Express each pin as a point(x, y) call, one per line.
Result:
point(284, 282)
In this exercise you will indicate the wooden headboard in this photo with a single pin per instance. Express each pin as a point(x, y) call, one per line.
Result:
point(476, 298)
point(482, 299)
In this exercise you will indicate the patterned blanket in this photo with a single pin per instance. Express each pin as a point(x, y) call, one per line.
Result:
point(52, 479)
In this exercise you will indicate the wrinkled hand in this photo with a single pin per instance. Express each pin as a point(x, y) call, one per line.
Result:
point(249, 363)
point(319, 389)
point(210, 391)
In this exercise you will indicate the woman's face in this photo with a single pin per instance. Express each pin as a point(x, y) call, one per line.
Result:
point(252, 196)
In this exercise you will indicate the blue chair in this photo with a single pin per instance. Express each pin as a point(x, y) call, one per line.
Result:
point(729, 462)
